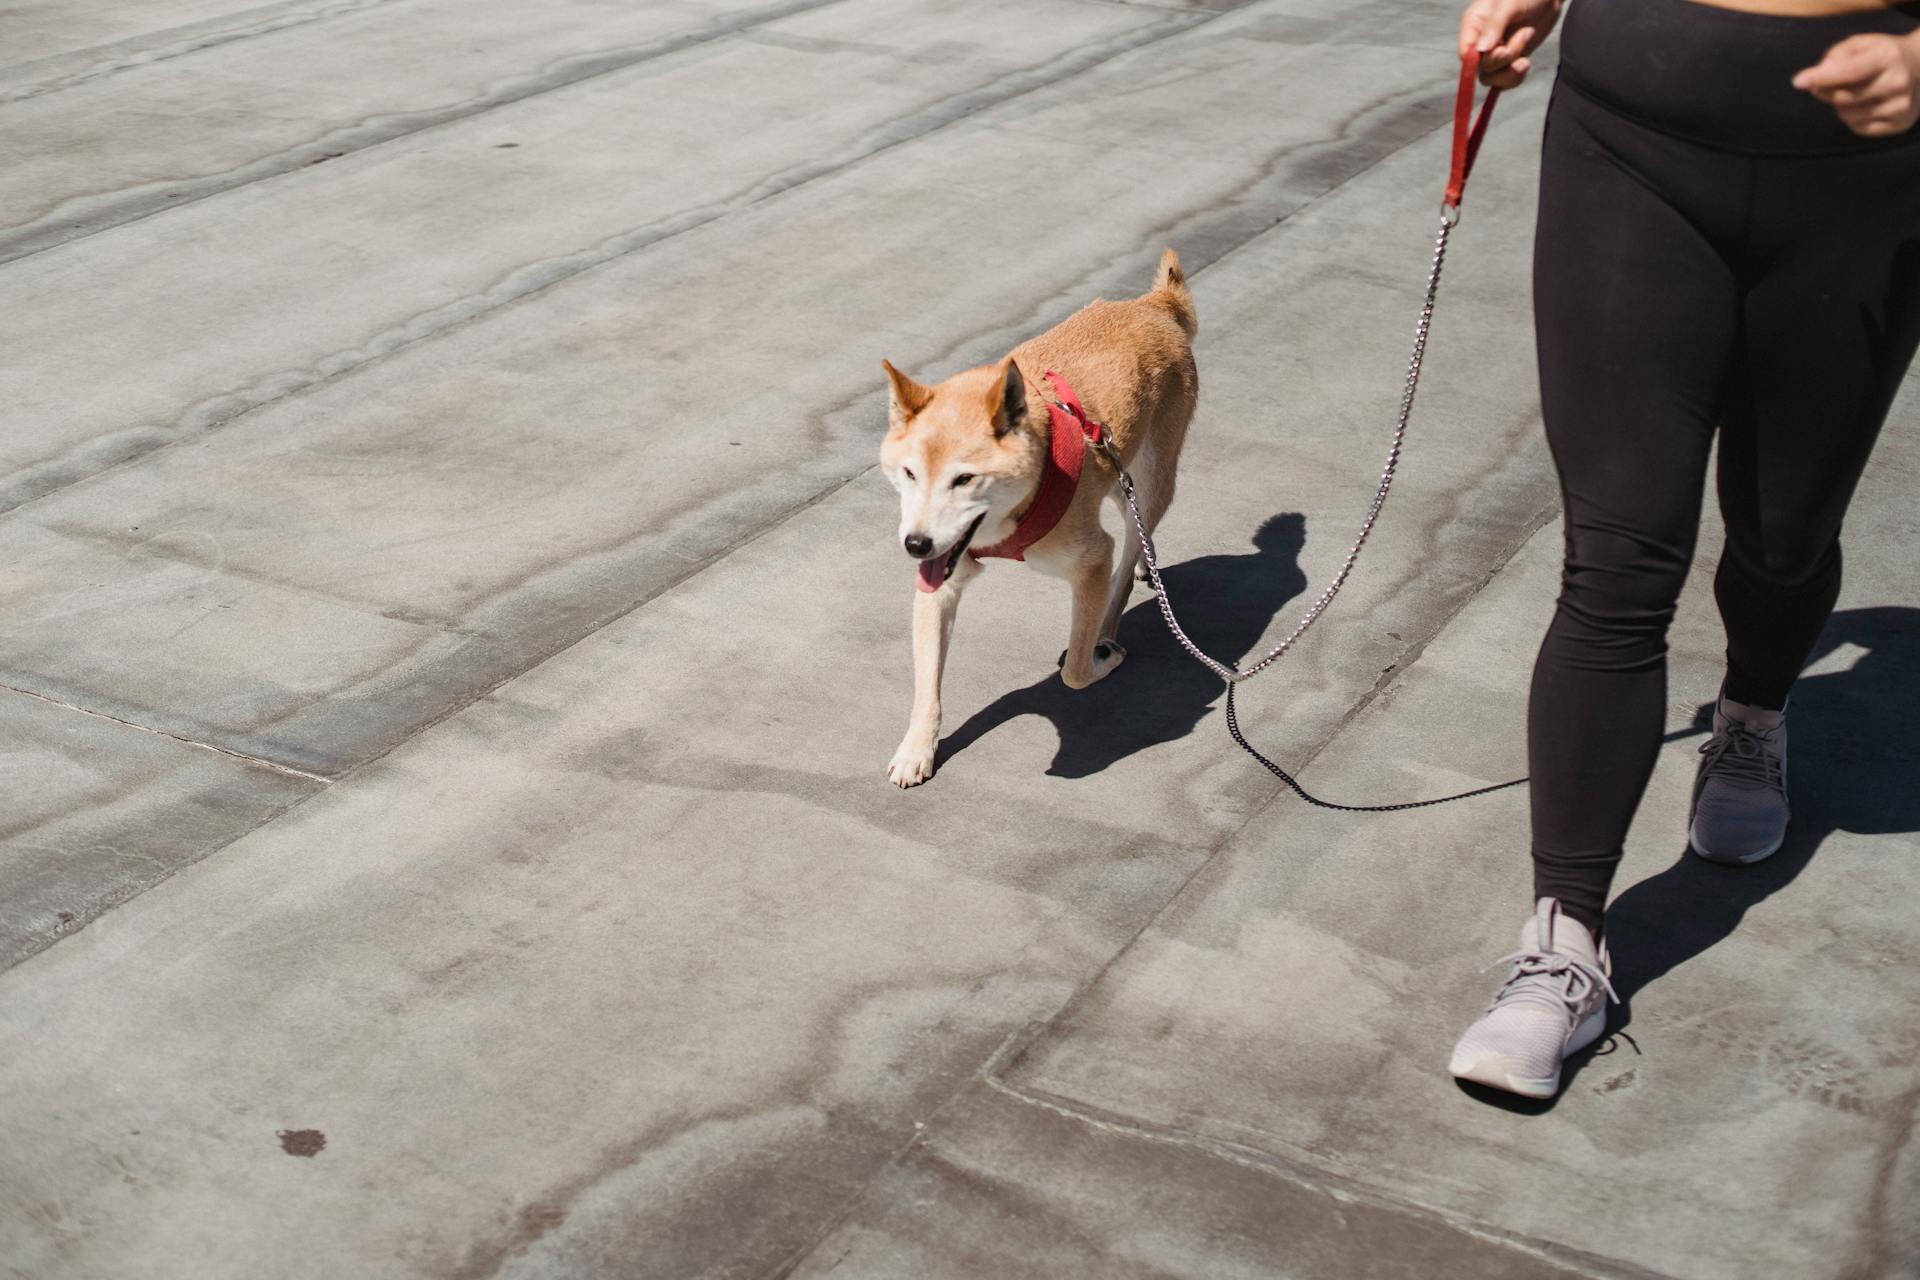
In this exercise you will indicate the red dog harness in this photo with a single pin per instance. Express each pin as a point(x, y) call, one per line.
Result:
point(1059, 475)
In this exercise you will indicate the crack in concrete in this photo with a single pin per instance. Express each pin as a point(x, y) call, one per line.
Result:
point(159, 548)
point(803, 1252)
point(272, 765)
point(1272, 1164)
point(844, 1211)
point(1882, 1216)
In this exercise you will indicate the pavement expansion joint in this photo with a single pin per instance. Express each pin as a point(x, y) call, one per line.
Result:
point(392, 127)
point(260, 761)
point(175, 42)
point(1345, 1190)
point(225, 408)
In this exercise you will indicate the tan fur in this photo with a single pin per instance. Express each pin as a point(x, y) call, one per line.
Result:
point(1131, 364)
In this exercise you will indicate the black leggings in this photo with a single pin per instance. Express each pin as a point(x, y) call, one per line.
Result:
point(1714, 250)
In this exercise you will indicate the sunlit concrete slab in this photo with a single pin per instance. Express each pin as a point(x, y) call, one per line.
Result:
point(456, 570)
point(98, 811)
point(440, 517)
point(1753, 1109)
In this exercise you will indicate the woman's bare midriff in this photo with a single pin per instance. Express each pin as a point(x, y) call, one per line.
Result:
point(1799, 8)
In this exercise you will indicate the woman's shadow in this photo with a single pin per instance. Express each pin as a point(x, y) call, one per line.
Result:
point(1159, 694)
point(1851, 764)
point(1851, 767)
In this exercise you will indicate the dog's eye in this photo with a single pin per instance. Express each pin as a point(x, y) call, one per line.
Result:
point(907, 472)
point(965, 477)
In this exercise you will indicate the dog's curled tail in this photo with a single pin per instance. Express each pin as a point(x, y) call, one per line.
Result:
point(1170, 291)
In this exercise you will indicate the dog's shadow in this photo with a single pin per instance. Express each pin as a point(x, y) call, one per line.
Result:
point(1851, 764)
point(1159, 694)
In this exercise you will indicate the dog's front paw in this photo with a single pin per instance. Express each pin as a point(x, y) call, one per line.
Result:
point(912, 765)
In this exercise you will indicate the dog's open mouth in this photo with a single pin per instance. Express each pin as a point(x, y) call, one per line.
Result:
point(934, 571)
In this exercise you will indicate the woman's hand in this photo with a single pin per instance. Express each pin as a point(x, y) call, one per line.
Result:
point(1872, 81)
point(1505, 32)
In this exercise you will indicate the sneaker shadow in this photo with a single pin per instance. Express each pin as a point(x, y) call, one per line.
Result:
point(1159, 694)
point(1851, 767)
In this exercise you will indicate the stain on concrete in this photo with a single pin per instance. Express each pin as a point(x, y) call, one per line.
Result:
point(1613, 1084)
point(302, 1142)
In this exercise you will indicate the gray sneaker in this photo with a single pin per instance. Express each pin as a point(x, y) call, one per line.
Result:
point(1553, 1004)
point(1740, 793)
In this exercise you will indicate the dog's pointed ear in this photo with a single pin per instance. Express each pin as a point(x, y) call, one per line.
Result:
point(905, 397)
point(1011, 410)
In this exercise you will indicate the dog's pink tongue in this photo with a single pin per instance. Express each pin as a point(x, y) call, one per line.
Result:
point(932, 574)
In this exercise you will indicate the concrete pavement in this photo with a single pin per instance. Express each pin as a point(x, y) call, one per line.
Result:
point(453, 638)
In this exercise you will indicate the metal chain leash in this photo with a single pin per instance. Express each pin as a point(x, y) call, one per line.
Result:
point(1233, 728)
point(1449, 218)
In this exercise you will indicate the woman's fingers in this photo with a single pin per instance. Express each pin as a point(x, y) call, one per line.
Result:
point(1890, 83)
point(1507, 77)
point(1503, 64)
point(1486, 27)
point(1850, 65)
point(1881, 83)
point(1881, 119)
point(1483, 26)
point(1473, 24)
point(1512, 48)
point(1868, 81)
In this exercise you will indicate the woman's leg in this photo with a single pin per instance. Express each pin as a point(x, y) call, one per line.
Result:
point(1653, 261)
point(1831, 327)
point(1636, 308)
point(1637, 313)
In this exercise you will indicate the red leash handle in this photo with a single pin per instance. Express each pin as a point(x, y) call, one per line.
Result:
point(1468, 129)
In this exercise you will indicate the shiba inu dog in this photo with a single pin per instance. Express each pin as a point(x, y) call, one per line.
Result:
point(983, 470)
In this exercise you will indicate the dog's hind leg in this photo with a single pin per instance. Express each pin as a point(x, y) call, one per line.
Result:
point(1153, 490)
point(933, 613)
point(1091, 654)
point(1159, 458)
point(1120, 585)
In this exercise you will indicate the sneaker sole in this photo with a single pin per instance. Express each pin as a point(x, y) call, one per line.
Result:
point(1730, 859)
point(1492, 1071)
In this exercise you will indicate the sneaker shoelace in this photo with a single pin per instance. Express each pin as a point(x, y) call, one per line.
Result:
point(1554, 979)
point(1740, 756)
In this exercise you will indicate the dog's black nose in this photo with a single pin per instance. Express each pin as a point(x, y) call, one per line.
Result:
point(919, 545)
